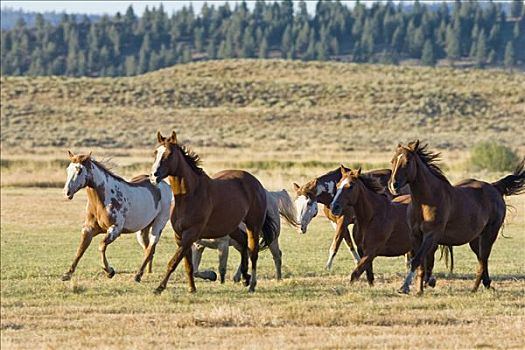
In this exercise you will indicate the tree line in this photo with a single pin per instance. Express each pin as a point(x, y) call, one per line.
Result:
point(125, 44)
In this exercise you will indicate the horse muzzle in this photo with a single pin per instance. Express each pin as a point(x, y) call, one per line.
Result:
point(154, 180)
point(336, 210)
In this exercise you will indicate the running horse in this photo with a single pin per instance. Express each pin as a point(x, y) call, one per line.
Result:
point(117, 206)
point(381, 227)
point(209, 207)
point(322, 190)
point(470, 212)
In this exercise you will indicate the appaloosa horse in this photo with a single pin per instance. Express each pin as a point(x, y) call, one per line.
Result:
point(209, 207)
point(117, 206)
point(279, 204)
point(471, 212)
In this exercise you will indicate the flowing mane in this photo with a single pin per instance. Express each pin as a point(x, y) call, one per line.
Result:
point(106, 168)
point(431, 159)
point(372, 184)
point(192, 158)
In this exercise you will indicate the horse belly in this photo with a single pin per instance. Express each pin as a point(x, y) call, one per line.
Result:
point(141, 211)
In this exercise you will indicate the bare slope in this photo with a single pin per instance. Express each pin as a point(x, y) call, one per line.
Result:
point(262, 104)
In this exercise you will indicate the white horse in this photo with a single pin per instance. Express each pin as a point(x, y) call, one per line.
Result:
point(117, 206)
point(279, 204)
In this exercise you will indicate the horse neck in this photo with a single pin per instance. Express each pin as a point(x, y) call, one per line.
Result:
point(426, 186)
point(184, 177)
point(97, 183)
point(367, 203)
point(326, 187)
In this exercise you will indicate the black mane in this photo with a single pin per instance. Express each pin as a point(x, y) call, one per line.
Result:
point(431, 160)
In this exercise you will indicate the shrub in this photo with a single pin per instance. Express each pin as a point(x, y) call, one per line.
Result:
point(493, 156)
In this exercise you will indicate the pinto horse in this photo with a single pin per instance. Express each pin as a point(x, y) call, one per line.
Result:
point(471, 212)
point(209, 207)
point(117, 206)
point(322, 190)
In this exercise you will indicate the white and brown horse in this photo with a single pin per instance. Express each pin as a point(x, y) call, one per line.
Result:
point(117, 206)
point(209, 207)
point(279, 204)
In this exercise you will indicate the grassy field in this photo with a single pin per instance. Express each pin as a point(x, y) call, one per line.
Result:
point(309, 308)
point(283, 121)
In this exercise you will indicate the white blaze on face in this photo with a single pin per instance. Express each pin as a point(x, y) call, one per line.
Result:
point(76, 175)
point(160, 152)
point(343, 183)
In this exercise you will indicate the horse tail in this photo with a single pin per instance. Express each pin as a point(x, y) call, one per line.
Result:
point(269, 231)
point(286, 207)
point(447, 253)
point(514, 183)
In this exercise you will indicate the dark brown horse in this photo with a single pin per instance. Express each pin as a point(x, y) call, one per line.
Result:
point(440, 213)
point(381, 227)
point(322, 190)
point(209, 207)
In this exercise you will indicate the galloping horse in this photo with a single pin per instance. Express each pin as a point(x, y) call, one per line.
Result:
point(209, 207)
point(381, 228)
point(470, 212)
point(279, 204)
point(322, 189)
point(116, 206)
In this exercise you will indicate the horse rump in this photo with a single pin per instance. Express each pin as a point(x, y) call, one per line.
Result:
point(512, 184)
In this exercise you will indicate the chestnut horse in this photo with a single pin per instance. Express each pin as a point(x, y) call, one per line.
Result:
point(381, 227)
point(279, 205)
point(117, 206)
point(209, 207)
point(322, 189)
point(471, 212)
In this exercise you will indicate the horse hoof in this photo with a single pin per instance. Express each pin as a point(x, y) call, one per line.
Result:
point(158, 290)
point(213, 276)
point(431, 282)
point(66, 276)
point(138, 278)
point(403, 290)
point(251, 290)
point(192, 290)
point(419, 293)
point(110, 273)
point(236, 279)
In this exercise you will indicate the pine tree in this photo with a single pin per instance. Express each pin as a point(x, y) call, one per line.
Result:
point(481, 50)
point(428, 56)
point(453, 47)
point(516, 8)
point(263, 49)
point(509, 61)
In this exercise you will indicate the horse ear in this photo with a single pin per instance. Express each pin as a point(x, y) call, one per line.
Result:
point(358, 171)
point(413, 145)
point(399, 145)
point(342, 169)
point(160, 138)
point(173, 137)
point(296, 187)
point(70, 155)
point(83, 157)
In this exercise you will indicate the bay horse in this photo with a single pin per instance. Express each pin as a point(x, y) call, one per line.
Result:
point(322, 190)
point(209, 207)
point(470, 212)
point(117, 206)
point(279, 205)
point(381, 227)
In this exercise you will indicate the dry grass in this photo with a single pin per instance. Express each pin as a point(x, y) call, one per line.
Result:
point(310, 308)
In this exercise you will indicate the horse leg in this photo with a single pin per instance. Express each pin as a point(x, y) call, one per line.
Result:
point(277, 257)
point(188, 237)
point(429, 267)
point(240, 242)
point(85, 241)
point(152, 241)
point(188, 265)
point(421, 253)
point(484, 247)
point(348, 240)
point(112, 235)
point(196, 255)
point(253, 249)
point(223, 248)
point(364, 264)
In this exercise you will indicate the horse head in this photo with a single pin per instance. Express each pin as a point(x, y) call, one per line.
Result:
point(346, 192)
point(164, 163)
point(306, 203)
point(77, 174)
point(403, 166)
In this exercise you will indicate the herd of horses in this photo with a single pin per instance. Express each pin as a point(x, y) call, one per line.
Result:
point(411, 210)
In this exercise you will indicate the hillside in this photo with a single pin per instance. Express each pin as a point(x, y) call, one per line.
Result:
point(258, 105)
